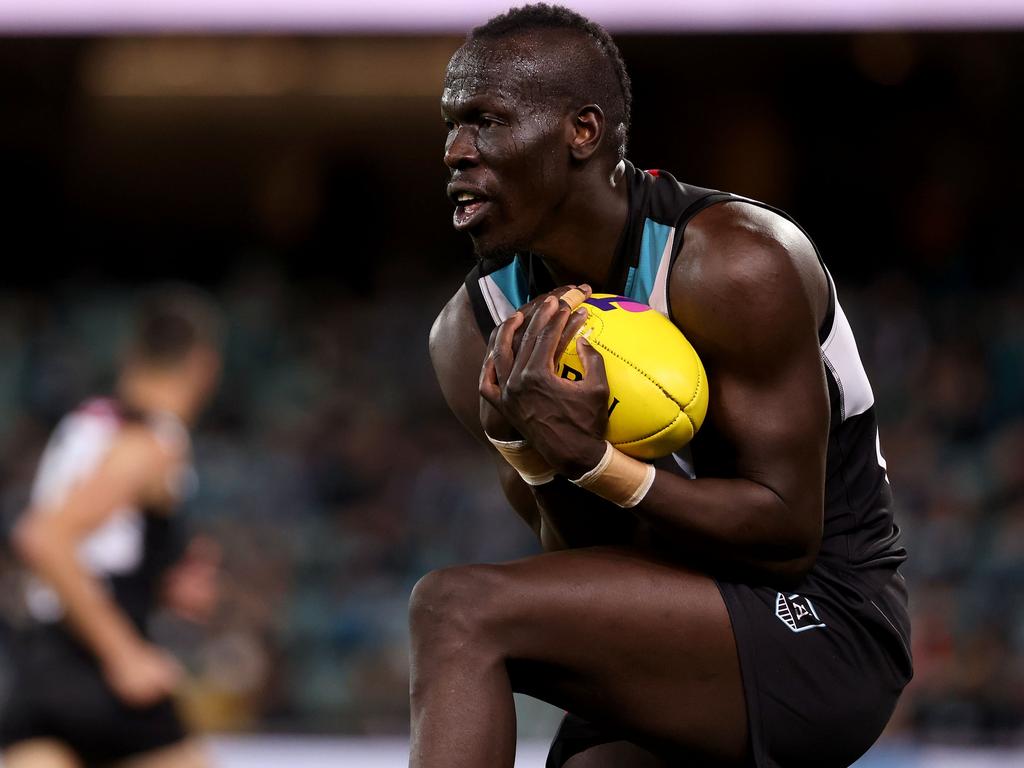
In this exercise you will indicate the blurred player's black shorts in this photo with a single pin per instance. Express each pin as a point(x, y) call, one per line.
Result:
point(58, 692)
point(823, 666)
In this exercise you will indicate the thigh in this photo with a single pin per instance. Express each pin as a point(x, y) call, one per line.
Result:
point(39, 753)
point(62, 695)
point(624, 640)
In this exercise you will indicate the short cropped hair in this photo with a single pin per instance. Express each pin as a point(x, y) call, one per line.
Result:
point(609, 84)
point(170, 322)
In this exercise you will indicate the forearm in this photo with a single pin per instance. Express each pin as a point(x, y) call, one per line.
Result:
point(572, 517)
point(528, 502)
point(88, 608)
point(733, 522)
point(715, 523)
point(563, 516)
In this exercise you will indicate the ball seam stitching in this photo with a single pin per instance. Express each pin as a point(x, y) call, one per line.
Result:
point(642, 372)
point(658, 431)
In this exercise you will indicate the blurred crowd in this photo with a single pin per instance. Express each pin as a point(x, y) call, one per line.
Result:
point(948, 374)
point(329, 471)
point(333, 476)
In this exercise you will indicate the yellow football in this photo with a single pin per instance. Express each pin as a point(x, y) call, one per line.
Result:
point(658, 391)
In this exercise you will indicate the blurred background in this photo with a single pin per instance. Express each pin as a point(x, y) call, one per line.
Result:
point(295, 172)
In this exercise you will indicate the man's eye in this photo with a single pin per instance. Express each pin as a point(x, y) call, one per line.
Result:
point(489, 122)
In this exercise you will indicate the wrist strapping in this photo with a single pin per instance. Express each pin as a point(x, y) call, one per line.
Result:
point(530, 465)
point(619, 478)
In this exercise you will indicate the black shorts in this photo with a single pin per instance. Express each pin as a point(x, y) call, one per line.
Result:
point(59, 692)
point(822, 668)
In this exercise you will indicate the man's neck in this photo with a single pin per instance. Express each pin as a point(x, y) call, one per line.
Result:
point(155, 392)
point(583, 247)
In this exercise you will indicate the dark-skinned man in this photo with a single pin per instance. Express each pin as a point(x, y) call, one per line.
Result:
point(739, 604)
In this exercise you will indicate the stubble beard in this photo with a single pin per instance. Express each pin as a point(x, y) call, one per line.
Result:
point(502, 250)
point(497, 252)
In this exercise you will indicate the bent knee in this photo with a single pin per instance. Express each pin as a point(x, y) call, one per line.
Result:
point(458, 603)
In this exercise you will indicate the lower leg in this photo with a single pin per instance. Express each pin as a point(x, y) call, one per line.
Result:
point(462, 716)
point(462, 709)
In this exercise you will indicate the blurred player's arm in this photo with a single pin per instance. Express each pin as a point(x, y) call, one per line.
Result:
point(559, 513)
point(136, 470)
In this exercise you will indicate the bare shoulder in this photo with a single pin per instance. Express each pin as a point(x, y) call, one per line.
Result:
point(457, 351)
point(139, 448)
point(154, 461)
point(149, 463)
point(454, 323)
point(744, 268)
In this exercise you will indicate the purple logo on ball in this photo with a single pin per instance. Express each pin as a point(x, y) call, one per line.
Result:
point(608, 303)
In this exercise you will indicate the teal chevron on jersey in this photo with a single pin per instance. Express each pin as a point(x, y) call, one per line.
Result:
point(511, 280)
point(640, 280)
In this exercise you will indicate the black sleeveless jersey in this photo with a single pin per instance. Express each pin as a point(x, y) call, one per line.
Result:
point(860, 535)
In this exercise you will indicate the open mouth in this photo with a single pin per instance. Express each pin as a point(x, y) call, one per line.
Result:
point(469, 209)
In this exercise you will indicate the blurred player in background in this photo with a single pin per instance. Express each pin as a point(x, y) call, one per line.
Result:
point(104, 551)
point(740, 603)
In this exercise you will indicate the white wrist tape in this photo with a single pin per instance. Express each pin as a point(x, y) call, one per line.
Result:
point(619, 478)
point(530, 465)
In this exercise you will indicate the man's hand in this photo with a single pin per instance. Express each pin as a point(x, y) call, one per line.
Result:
point(191, 587)
point(563, 420)
point(494, 422)
point(142, 674)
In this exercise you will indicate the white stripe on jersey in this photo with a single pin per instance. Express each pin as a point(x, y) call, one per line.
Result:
point(74, 450)
point(659, 292)
point(843, 360)
point(497, 303)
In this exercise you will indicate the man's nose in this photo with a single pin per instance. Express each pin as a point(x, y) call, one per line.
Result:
point(461, 150)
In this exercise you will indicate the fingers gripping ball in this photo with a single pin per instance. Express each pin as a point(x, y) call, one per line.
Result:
point(658, 391)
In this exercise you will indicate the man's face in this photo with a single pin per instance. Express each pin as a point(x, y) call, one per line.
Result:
point(506, 145)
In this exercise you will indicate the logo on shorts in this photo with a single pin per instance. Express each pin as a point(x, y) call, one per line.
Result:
point(797, 612)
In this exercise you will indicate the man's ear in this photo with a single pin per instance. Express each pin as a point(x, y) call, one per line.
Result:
point(588, 129)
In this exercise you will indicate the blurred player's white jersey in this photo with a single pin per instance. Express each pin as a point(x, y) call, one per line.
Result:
point(117, 548)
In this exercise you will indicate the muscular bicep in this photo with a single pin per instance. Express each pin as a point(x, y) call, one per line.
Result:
point(772, 422)
point(750, 301)
point(457, 351)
